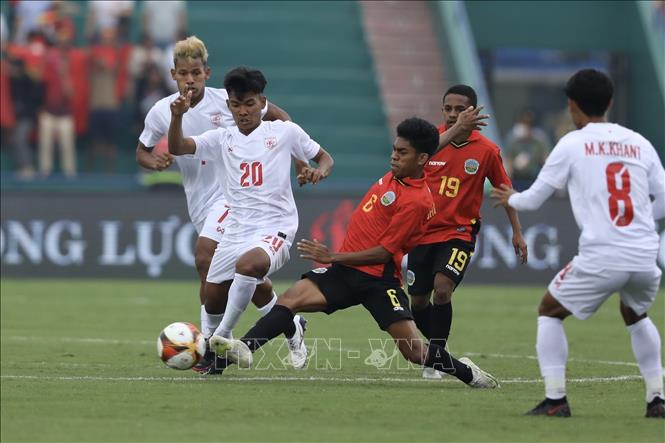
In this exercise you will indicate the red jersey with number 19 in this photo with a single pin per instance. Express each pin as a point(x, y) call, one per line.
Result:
point(456, 177)
point(393, 214)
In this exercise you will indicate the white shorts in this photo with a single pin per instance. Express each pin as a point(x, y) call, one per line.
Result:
point(214, 224)
point(582, 291)
point(223, 264)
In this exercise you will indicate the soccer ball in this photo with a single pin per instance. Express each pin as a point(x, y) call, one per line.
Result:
point(181, 345)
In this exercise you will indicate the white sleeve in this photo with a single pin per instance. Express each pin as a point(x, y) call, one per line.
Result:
point(303, 147)
point(533, 198)
point(656, 176)
point(154, 129)
point(556, 169)
point(209, 144)
point(264, 111)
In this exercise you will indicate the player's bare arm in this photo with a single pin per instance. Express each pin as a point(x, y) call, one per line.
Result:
point(467, 121)
point(519, 244)
point(148, 159)
point(179, 145)
point(318, 252)
point(274, 112)
point(311, 175)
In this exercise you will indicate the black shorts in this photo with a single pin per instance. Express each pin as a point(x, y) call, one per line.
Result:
point(451, 258)
point(344, 287)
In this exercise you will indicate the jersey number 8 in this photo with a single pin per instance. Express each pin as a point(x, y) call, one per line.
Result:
point(618, 173)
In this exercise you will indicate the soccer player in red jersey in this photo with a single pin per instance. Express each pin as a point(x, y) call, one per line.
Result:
point(456, 176)
point(390, 220)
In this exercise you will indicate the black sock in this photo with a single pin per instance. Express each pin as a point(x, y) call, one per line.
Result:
point(278, 321)
point(439, 359)
point(422, 318)
point(441, 318)
point(558, 401)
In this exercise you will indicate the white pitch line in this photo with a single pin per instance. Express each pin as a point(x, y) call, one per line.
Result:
point(299, 379)
point(343, 349)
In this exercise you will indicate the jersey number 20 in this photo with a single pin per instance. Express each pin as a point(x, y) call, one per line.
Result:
point(618, 173)
point(251, 174)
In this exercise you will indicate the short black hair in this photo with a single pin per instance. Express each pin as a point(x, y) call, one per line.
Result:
point(465, 90)
point(592, 90)
point(242, 80)
point(420, 134)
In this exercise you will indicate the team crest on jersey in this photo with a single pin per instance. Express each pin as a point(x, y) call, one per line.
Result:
point(216, 119)
point(388, 198)
point(270, 142)
point(471, 166)
point(319, 270)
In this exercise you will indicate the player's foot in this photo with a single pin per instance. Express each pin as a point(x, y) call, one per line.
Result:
point(656, 408)
point(234, 350)
point(481, 379)
point(552, 408)
point(432, 374)
point(206, 362)
point(297, 348)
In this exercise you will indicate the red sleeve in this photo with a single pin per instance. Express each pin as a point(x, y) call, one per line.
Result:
point(406, 224)
point(497, 173)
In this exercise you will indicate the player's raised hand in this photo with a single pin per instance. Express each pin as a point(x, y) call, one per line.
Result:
point(162, 161)
point(471, 119)
point(313, 250)
point(521, 249)
point(181, 104)
point(501, 195)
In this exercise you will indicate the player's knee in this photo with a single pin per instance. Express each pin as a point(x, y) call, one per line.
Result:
point(252, 268)
point(442, 294)
point(630, 317)
point(419, 302)
point(202, 262)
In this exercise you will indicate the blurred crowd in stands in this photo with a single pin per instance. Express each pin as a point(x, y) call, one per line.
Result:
point(57, 93)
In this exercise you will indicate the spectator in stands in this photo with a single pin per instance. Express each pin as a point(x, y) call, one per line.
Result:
point(105, 101)
point(105, 14)
point(57, 117)
point(141, 58)
point(150, 88)
point(527, 147)
point(28, 17)
point(164, 21)
point(27, 97)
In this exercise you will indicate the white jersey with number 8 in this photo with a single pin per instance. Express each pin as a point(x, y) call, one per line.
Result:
point(609, 171)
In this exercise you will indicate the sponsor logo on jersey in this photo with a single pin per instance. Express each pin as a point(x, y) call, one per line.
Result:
point(461, 229)
point(216, 119)
point(410, 278)
point(270, 142)
point(388, 198)
point(319, 270)
point(471, 166)
point(436, 163)
point(230, 148)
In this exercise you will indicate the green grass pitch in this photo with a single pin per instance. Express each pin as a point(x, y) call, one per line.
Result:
point(79, 363)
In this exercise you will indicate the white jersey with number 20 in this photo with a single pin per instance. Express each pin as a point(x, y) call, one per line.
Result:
point(256, 171)
point(609, 171)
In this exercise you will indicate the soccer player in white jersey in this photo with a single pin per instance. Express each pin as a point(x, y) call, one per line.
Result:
point(254, 161)
point(616, 184)
point(205, 200)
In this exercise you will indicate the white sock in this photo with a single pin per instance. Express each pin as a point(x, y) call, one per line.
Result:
point(204, 319)
point(211, 322)
point(552, 349)
point(265, 309)
point(646, 346)
point(240, 294)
